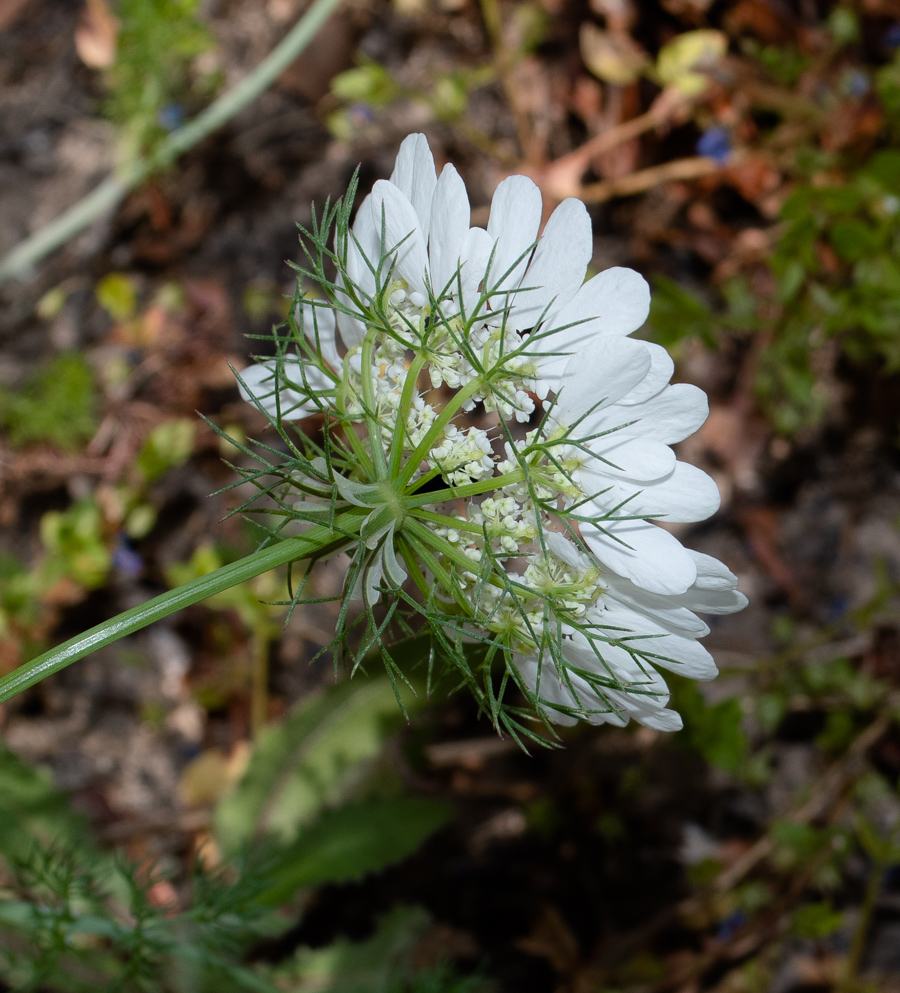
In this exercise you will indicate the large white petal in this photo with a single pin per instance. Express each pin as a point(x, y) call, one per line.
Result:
point(662, 610)
point(645, 701)
point(403, 232)
point(714, 591)
point(646, 694)
point(261, 383)
point(711, 593)
point(661, 720)
point(673, 414)
point(555, 689)
point(661, 369)
point(620, 456)
point(685, 656)
point(558, 266)
point(513, 224)
point(606, 369)
point(450, 215)
point(644, 553)
point(363, 255)
point(713, 601)
point(475, 257)
point(614, 302)
point(712, 574)
point(319, 328)
point(414, 175)
point(686, 495)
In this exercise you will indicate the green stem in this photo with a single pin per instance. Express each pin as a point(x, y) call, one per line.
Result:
point(867, 911)
point(313, 542)
point(443, 520)
point(409, 385)
point(466, 490)
point(371, 411)
point(115, 188)
point(434, 432)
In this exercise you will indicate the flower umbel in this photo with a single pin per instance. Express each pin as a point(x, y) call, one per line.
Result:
point(500, 447)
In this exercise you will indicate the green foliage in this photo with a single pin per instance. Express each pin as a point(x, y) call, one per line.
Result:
point(371, 966)
point(34, 810)
point(369, 83)
point(18, 595)
point(156, 45)
point(821, 850)
point(676, 313)
point(72, 920)
point(887, 83)
point(840, 688)
point(58, 404)
point(381, 964)
point(816, 920)
point(834, 269)
point(169, 445)
point(117, 296)
point(311, 760)
point(370, 86)
point(78, 925)
point(75, 544)
point(713, 731)
point(350, 842)
point(784, 63)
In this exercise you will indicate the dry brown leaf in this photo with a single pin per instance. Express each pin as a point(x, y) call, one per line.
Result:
point(613, 57)
point(97, 35)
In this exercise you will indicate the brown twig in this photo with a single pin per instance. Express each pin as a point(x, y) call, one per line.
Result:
point(645, 179)
point(829, 788)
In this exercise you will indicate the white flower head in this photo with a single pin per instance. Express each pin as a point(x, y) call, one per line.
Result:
point(496, 447)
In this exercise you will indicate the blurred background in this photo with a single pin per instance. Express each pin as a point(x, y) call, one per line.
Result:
point(203, 805)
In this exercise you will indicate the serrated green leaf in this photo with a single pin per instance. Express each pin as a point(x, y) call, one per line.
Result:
point(309, 761)
point(359, 967)
point(352, 841)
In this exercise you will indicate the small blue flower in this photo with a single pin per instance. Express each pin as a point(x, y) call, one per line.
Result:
point(126, 560)
point(891, 37)
point(715, 143)
point(837, 607)
point(855, 84)
point(171, 117)
point(362, 113)
point(730, 925)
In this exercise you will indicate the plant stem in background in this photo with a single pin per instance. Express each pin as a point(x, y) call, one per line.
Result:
point(314, 542)
point(116, 187)
point(645, 179)
point(858, 945)
point(493, 22)
point(259, 674)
